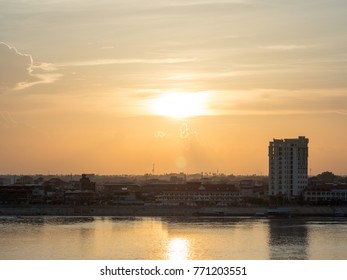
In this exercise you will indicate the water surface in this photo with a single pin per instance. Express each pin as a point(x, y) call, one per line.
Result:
point(129, 238)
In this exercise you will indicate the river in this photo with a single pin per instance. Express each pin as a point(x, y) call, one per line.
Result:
point(160, 238)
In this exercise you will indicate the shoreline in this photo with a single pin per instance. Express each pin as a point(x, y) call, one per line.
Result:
point(158, 211)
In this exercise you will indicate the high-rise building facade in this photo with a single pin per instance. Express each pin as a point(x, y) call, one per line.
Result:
point(288, 166)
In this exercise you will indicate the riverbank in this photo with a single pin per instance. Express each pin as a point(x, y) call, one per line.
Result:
point(152, 210)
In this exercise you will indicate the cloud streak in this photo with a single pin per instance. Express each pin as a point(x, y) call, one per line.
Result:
point(285, 47)
point(209, 2)
point(18, 71)
point(280, 102)
point(99, 62)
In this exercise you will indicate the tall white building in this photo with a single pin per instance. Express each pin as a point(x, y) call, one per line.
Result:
point(288, 166)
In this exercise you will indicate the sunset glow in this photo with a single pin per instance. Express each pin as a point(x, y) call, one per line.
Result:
point(180, 104)
point(111, 87)
point(178, 249)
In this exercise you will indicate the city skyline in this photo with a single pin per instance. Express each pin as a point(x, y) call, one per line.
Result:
point(113, 87)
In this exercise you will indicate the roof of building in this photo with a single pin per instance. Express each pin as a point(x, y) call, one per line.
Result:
point(326, 187)
point(195, 187)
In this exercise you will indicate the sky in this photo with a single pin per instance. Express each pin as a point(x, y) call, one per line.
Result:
point(113, 87)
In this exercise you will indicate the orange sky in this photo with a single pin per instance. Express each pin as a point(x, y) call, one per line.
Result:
point(111, 87)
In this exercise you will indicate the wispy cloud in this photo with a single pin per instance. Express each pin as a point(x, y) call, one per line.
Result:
point(280, 102)
point(107, 47)
point(210, 75)
point(98, 62)
point(341, 112)
point(208, 2)
point(46, 78)
point(44, 66)
point(285, 47)
point(18, 71)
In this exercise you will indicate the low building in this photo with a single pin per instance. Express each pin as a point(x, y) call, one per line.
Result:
point(54, 190)
point(54, 184)
point(86, 184)
point(78, 197)
point(38, 195)
point(126, 197)
point(252, 189)
point(199, 194)
point(5, 181)
point(25, 180)
point(122, 193)
point(326, 193)
point(15, 194)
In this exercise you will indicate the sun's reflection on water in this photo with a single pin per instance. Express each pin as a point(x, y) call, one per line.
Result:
point(178, 249)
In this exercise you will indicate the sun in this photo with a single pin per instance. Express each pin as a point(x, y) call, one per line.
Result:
point(178, 249)
point(180, 104)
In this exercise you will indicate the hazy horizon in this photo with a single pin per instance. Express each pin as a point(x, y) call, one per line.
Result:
point(205, 175)
point(190, 85)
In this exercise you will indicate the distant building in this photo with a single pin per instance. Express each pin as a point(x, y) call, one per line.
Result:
point(4, 181)
point(252, 188)
point(288, 166)
point(118, 193)
point(25, 180)
point(54, 190)
point(86, 184)
point(78, 197)
point(326, 193)
point(199, 194)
